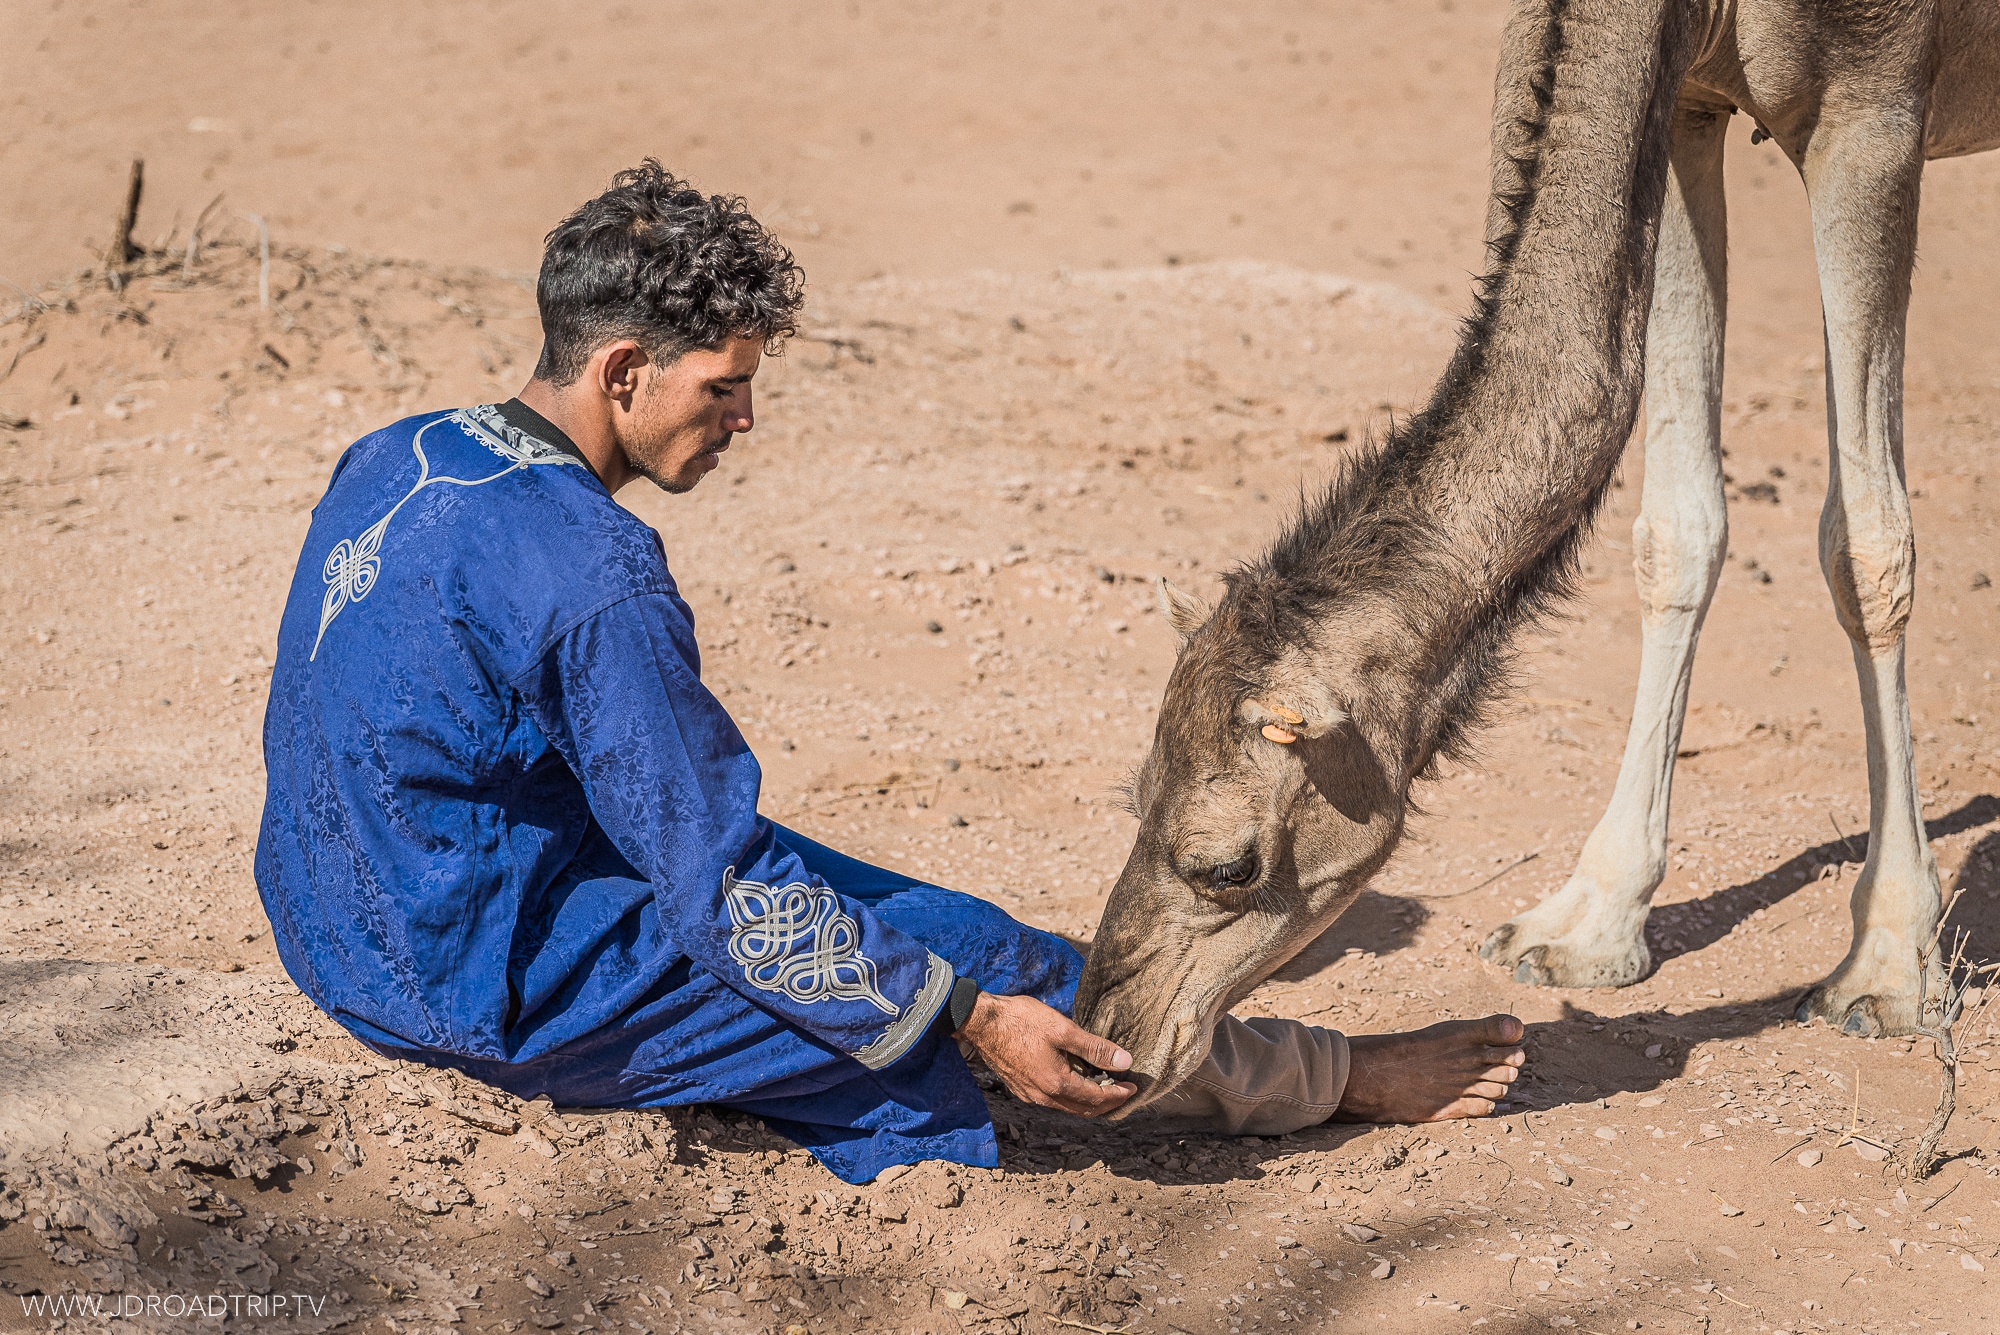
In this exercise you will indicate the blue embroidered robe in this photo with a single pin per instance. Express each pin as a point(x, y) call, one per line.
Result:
point(509, 830)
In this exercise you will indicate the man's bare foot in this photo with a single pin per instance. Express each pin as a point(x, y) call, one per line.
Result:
point(1454, 1069)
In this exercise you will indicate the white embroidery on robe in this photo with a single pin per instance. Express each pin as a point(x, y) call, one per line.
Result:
point(352, 566)
point(796, 940)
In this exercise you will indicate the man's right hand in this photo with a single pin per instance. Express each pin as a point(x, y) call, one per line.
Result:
point(1028, 1045)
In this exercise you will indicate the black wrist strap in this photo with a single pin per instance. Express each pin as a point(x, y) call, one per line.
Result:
point(964, 993)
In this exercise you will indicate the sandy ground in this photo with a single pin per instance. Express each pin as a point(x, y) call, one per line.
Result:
point(1094, 293)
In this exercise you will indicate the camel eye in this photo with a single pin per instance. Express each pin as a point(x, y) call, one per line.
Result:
point(1238, 872)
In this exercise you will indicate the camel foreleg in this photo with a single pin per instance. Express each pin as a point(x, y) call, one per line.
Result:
point(1863, 178)
point(1592, 932)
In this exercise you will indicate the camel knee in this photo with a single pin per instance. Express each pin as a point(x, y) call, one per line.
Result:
point(1676, 559)
point(1873, 581)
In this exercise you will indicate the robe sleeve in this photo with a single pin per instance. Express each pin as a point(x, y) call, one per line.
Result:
point(674, 785)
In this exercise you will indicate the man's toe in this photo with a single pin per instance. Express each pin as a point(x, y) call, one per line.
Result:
point(1502, 1030)
point(1505, 1075)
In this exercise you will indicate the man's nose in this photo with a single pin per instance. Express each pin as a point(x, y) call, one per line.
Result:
point(739, 418)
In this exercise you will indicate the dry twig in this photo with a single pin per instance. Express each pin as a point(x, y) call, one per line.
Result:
point(1942, 1012)
point(263, 260)
point(1521, 861)
point(122, 251)
point(194, 241)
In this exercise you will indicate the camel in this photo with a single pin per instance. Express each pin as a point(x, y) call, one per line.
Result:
point(1858, 107)
point(1371, 638)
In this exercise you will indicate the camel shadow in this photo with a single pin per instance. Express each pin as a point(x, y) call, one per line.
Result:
point(1679, 929)
point(1585, 1055)
point(1374, 923)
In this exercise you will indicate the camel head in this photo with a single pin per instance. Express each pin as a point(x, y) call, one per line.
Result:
point(1264, 807)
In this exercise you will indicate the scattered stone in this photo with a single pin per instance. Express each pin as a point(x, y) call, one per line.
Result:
point(1653, 1050)
point(891, 1173)
point(1967, 1261)
point(1731, 1211)
point(1651, 1101)
point(1872, 1153)
point(1284, 1240)
point(1621, 1224)
point(537, 1285)
point(1810, 1158)
point(1077, 1223)
point(1856, 1224)
point(953, 1299)
point(1605, 1133)
point(1382, 1270)
point(484, 1116)
point(1559, 1177)
point(1360, 1232)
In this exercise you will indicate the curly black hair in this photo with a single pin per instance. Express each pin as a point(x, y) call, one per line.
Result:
point(654, 260)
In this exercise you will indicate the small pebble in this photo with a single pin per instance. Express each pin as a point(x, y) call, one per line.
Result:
point(1382, 1270)
point(1605, 1133)
point(1360, 1232)
point(1621, 1224)
point(1731, 1211)
point(1559, 1177)
point(1810, 1158)
point(1967, 1260)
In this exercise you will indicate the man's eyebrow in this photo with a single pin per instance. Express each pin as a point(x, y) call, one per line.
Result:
point(733, 379)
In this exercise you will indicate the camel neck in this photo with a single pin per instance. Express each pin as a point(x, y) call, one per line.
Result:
point(1434, 547)
point(1524, 431)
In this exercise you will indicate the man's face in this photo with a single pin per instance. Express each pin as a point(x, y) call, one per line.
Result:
point(685, 412)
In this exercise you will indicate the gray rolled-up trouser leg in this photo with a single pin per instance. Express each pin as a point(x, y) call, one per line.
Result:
point(1263, 1077)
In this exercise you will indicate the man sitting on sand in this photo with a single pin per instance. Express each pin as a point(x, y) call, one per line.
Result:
point(508, 829)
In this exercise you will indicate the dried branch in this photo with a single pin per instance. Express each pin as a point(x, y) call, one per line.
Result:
point(1943, 1010)
point(122, 251)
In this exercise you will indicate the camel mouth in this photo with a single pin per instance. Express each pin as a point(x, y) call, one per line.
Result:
point(1177, 1050)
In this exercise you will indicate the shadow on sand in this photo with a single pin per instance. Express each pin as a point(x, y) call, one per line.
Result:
point(1678, 929)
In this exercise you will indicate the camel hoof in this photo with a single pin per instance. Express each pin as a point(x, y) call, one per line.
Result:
point(1494, 947)
point(1532, 968)
point(1864, 1017)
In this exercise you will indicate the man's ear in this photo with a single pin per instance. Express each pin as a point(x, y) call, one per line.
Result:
point(1186, 613)
point(616, 369)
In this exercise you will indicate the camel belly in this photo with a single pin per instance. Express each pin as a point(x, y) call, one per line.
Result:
point(1965, 101)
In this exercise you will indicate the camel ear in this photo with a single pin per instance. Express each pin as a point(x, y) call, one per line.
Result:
point(1284, 715)
point(1186, 613)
